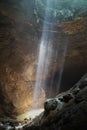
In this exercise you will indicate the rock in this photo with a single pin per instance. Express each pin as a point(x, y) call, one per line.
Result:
point(83, 83)
point(52, 104)
point(2, 127)
point(76, 90)
point(78, 99)
point(9, 128)
point(1, 124)
point(67, 97)
point(72, 116)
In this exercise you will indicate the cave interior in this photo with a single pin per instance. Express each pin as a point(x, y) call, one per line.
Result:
point(43, 51)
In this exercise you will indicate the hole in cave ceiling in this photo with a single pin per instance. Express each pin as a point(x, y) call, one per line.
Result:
point(59, 10)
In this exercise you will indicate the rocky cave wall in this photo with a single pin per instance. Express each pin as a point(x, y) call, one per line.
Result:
point(19, 47)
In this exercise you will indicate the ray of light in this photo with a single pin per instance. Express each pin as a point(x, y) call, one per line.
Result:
point(44, 59)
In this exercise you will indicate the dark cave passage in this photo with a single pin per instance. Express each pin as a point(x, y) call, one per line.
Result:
point(69, 78)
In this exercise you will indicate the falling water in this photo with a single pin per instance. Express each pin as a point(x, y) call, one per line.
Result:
point(44, 60)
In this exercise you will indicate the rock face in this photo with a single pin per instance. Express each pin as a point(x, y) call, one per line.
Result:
point(72, 116)
point(17, 59)
point(20, 36)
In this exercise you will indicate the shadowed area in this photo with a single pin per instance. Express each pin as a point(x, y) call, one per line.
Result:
point(65, 112)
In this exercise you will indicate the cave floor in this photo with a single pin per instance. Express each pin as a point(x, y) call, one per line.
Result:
point(30, 115)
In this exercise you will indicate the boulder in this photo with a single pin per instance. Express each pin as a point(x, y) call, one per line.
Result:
point(52, 104)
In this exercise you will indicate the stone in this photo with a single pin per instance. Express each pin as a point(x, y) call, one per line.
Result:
point(2, 127)
point(72, 116)
point(67, 97)
point(53, 104)
point(9, 128)
point(76, 90)
point(1, 124)
point(79, 99)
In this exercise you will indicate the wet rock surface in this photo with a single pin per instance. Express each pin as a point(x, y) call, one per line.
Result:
point(72, 116)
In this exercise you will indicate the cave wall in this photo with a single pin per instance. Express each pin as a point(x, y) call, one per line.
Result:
point(19, 47)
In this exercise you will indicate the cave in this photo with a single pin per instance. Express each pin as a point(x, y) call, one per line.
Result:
point(43, 52)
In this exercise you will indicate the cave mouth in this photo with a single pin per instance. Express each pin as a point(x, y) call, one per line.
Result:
point(58, 11)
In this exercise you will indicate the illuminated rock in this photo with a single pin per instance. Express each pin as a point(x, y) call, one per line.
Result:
point(53, 104)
